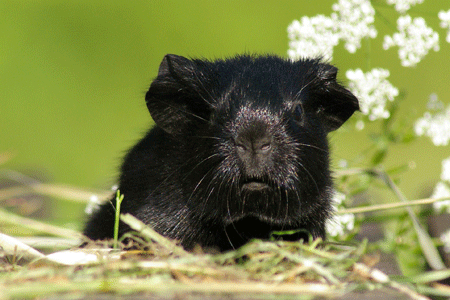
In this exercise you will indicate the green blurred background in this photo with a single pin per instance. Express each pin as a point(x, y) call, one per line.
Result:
point(73, 75)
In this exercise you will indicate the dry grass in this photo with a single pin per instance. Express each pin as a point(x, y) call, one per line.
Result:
point(158, 265)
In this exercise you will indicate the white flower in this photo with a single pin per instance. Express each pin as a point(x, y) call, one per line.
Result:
point(93, 205)
point(414, 40)
point(434, 103)
point(339, 225)
point(354, 20)
point(343, 164)
point(445, 238)
point(351, 21)
point(339, 199)
point(435, 125)
point(312, 37)
point(373, 91)
point(359, 125)
point(442, 190)
point(445, 175)
point(445, 22)
point(403, 5)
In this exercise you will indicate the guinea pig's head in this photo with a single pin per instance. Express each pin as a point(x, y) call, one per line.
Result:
point(255, 131)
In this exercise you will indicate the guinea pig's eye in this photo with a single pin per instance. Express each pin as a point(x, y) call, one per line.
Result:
point(298, 113)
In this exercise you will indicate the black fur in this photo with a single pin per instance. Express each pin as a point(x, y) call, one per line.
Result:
point(239, 150)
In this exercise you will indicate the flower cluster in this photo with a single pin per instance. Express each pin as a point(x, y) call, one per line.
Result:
point(94, 202)
point(354, 21)
point(93, 205)
point(351, 21)
point(339, 225)
point(436, 124)
point(445, 175)
point(445, 22)
point(442, 189)
point(312, 37)
point(403, 6)
point(373, 91)
point(414, 40)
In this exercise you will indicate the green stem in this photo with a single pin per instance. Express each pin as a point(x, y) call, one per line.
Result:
point(426, 244)
point(386, 206)
point(119, 199)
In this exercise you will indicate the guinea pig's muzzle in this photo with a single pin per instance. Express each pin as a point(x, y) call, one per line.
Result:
point(255, 184)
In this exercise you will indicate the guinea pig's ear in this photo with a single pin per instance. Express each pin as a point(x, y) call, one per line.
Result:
point(175, 65)
point(336, 104)
point(173, 98)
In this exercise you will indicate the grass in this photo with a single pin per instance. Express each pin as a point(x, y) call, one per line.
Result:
point(316, 269)
point(160, 266)
point(119, 199)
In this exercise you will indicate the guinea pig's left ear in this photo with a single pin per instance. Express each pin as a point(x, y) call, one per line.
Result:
point(336, 103)
point(173, 99)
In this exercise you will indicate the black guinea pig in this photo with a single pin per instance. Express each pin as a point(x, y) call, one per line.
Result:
point(239, 150)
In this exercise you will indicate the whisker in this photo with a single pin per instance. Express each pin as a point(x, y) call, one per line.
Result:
point(310, 175)
point(297, 144)
point(177, 170)
point(204, 89)
point(286, 214)
point(168, 177)
point(198, 184)
point(297, 95)
point(207, 137)
point(201, 162)
point(184, 111)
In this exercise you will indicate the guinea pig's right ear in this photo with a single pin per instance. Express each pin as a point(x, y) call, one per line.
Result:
point(173, 99)
point(337, 103)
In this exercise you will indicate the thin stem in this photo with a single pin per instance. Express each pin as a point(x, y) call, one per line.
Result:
point(147, 231)
point(426, 244)
point(36, 225)
point(54, 190)
point(119, 199)
point(386, 206)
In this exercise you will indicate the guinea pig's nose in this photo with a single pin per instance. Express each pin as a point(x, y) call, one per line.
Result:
point(254, 151)
point(250, 145)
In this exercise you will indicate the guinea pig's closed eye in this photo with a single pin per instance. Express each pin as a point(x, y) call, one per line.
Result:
point(229, 159)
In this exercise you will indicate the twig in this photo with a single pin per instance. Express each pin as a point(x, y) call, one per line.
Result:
point(152, 234)
point(349, 172)
point(68, 193)
point(428, 248)
point(385, 206)
point(47, 242)
point(62, 191)
point(38, 226)
point(13, 246)
point(137, 285)
point(12, 192)
point(426, 244)
point(380, 277)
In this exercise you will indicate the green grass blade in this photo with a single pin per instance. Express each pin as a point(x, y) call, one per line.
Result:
point(119, 199)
